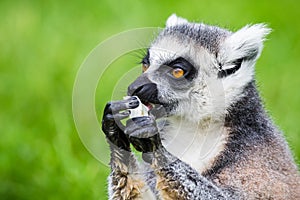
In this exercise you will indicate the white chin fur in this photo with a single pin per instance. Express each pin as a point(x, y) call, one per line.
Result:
point(197, 145)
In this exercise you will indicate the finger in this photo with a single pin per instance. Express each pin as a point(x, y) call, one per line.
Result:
point(138, 123)
point(149, 119)
point(118, 116)
point(131, 127)
point(130, 103)
point(146, 144)
point(145, 132)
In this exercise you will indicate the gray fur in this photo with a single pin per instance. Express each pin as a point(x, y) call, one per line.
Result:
point(251, 160)
point(204, 35)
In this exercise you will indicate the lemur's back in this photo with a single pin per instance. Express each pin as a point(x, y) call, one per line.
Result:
point(218, 142)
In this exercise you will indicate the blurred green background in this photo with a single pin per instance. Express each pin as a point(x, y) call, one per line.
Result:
point(42, 45)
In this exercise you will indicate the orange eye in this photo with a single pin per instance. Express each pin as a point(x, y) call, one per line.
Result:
point(145, 67)
point(177, 72)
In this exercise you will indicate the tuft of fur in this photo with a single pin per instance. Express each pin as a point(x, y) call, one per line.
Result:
point(174, 20)
point(245, 43)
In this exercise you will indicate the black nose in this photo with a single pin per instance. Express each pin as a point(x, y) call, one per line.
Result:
point(144, 89)
point(147, 92)
point(139, 82)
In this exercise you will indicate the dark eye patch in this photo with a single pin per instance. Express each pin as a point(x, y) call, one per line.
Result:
point(189, 70)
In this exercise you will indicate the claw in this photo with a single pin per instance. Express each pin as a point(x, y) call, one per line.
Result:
point(118, 116)
point(117, 106)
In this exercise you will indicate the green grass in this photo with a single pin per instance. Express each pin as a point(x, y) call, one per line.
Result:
point(42, 45)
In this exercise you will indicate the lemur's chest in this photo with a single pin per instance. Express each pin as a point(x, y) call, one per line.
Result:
point(195, 145)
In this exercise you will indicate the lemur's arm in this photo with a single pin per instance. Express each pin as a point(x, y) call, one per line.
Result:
point(175, 179)
point(125, 181)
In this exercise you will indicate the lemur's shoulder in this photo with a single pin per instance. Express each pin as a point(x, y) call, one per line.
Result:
point(266, 170)
point(256, 157)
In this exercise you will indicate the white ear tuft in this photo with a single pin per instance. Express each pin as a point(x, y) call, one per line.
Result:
point(174, 20)
point(246, 43)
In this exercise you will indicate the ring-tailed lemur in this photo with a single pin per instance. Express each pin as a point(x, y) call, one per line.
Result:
point(217, 141)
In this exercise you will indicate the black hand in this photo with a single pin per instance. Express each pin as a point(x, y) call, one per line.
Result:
point(143, 134)
point(111, 121)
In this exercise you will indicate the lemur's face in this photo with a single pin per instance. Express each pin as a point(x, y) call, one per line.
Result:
point(176, 75)
point(195, 71)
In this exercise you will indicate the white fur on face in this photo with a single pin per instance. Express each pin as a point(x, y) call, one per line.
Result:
point(206, 97)
point(210, 96)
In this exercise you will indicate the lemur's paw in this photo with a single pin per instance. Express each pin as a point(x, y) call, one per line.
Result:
point(143, 134)
point(113, 113)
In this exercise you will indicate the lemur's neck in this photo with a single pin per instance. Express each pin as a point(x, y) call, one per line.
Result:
point(208, 146)
point(247, 110)
point(195, 144)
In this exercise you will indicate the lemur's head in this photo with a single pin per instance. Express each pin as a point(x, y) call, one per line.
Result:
point(195, 70)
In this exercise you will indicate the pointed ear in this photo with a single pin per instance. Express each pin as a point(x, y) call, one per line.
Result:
point(244, 45)
point(174, 20)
